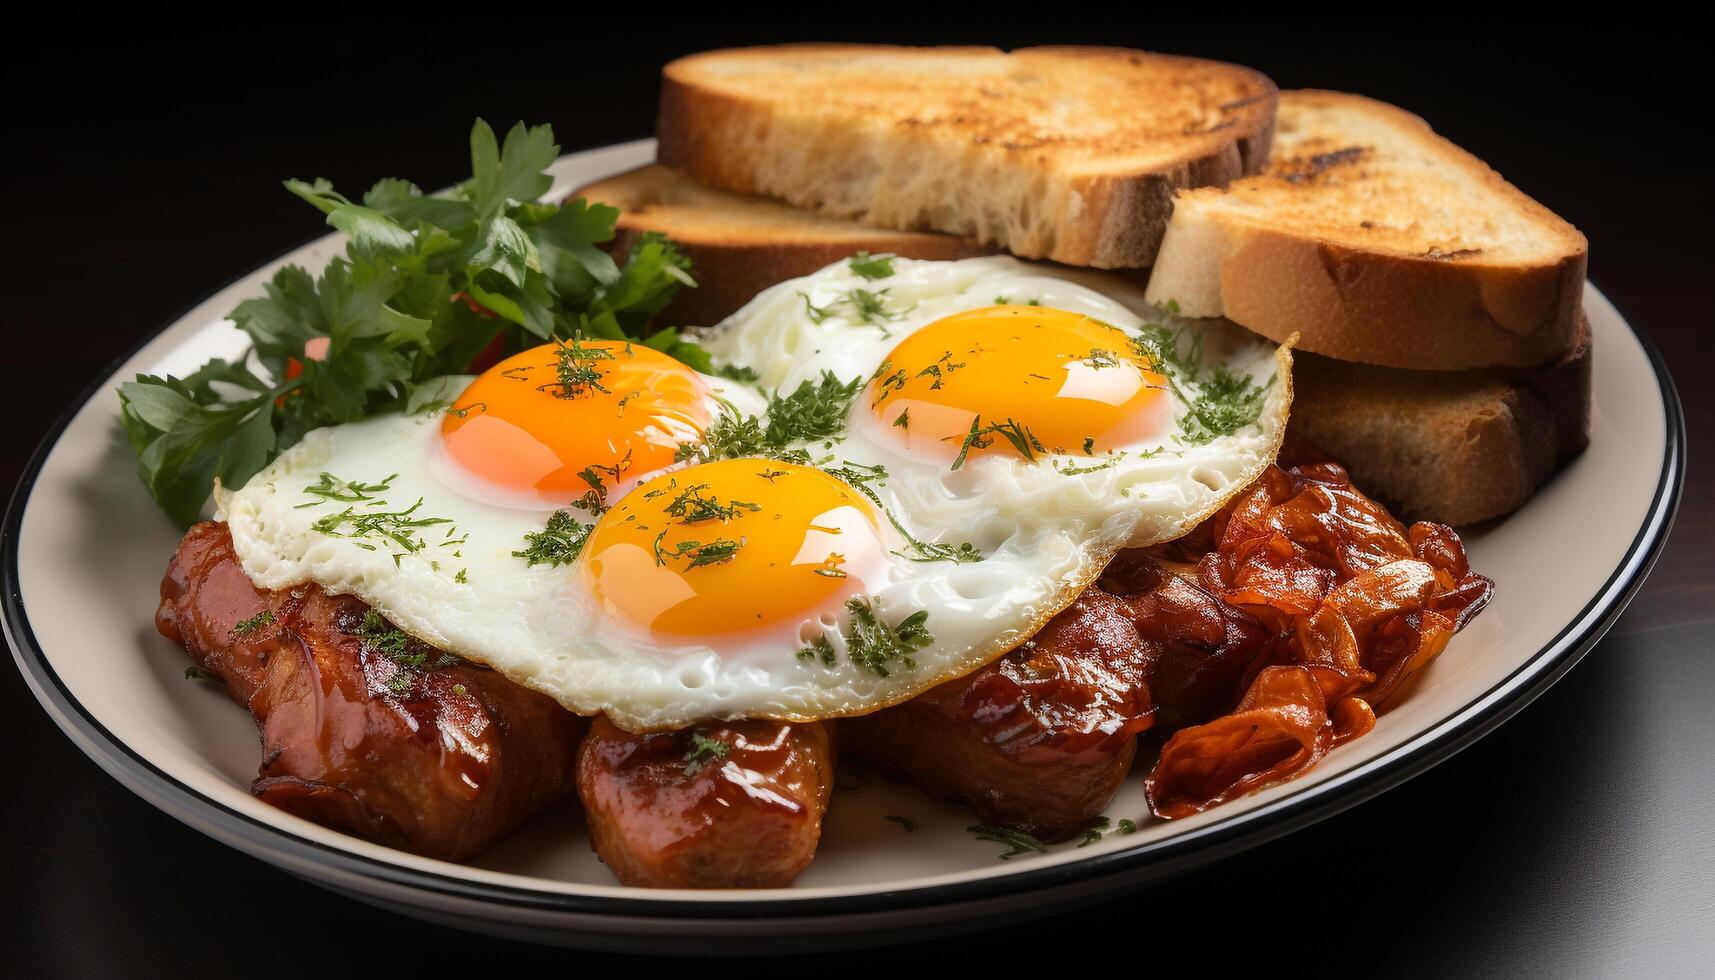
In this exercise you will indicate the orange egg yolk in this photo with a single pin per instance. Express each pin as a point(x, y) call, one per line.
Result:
point(560, 421)
point(734, 549)
point(1019, 380)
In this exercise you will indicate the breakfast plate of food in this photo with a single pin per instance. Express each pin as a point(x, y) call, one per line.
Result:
point(920, 488)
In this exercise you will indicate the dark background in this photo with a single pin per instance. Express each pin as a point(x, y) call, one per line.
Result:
point(1577, 840)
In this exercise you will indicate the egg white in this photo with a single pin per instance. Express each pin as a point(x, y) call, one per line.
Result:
point(1045, 528)
point(1160, 487)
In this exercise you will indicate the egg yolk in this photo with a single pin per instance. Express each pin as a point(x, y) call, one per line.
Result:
point(1019, 380)
point(564, 420)
point(739, 548)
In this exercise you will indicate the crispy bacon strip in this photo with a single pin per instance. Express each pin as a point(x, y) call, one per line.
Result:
point(1279, 729)
point(1361, 603)
point(720, 805)
point(441, 759)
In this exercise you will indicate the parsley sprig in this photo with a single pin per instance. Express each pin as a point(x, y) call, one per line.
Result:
point(427, 282)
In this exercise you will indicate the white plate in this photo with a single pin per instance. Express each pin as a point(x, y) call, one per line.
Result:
point(84, 549)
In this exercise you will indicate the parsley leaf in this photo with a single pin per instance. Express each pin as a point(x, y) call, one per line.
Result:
point(872, 266)
point(427, 282)
point(703, 751)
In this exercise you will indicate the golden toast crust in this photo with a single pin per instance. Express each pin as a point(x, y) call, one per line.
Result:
point(1069, 154)
point(1377, 241)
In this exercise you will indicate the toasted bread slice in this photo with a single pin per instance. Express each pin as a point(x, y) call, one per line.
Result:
point(1376, 240)
point(741, 245)
point(1451, 446)
point(1063, 153)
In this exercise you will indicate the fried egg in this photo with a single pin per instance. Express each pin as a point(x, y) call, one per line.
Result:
point(605, 525)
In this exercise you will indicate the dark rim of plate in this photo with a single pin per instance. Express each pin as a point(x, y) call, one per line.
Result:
point(1105, 871)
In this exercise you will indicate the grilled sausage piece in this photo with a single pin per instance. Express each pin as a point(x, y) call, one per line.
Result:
point(720, 805)
point(1042, 738)
point(1201, 649)
point(364, 729)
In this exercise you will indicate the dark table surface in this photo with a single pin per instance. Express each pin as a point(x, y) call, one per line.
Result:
point(1578, 839)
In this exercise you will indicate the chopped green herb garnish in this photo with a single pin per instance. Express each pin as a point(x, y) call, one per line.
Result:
point(866, 306)
point(703, 751)
point(1099, 359)
point(887, 381)
point(383, 636)
point(399, 528)
point(904, 419)
point(872, 266)
point(821, 650)
point(815, 410)
point(871, 643)
point(697, 553)
point(575, 368)
point(817, 313)
point(195, 673)
point(245, 627)
point(1099, 828)
point(1225, 403)
point(330, 487)
point(1219, 402)
point(737, 372)
point(594, 499)
point(559, 543)
point(1069, 468)
point(409, 654)
point(871, 308)
point(1094, 832)
point(1016, 841)
point(980, 437)
point(692, 506)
